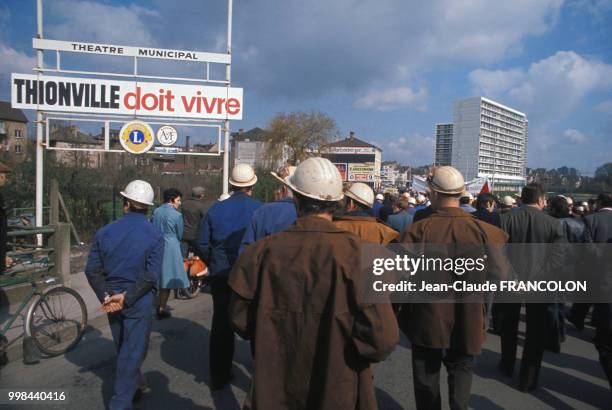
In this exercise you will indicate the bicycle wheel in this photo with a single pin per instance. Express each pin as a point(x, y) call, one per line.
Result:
point(191, 291)
point(57, 320)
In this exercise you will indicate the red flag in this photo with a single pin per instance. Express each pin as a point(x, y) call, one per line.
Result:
point(485, 188)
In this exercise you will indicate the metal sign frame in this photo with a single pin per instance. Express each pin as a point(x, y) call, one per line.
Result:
point(41, 44)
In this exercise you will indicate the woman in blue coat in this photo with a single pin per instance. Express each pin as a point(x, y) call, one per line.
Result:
point(169, 221)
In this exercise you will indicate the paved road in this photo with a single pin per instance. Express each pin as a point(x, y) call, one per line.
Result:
point(177, 371)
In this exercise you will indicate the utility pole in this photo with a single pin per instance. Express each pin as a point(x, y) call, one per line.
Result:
point(228, 76)
point(39, 127)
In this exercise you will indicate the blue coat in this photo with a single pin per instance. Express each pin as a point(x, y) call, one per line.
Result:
point(170, 222)
point(222, 230)
point(126, 255)
point(270, 218)
point(400, 221)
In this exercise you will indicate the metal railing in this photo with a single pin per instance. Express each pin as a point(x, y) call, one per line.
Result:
point(56, 251)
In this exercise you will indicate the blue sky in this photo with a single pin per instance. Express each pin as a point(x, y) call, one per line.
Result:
point(388, 69)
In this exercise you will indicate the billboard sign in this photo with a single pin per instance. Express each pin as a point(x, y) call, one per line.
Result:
point(342, 168)
point(361, 172)
point(83, 95)
point(350, 150)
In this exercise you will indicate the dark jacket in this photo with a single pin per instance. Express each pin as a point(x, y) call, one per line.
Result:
point(460, 326)
point(599, 230)
point(529, 225)
point(193, 211)
point(492, 218)
point(423, 213)
point(299, 299)
point(222, 230)
point(3, 234)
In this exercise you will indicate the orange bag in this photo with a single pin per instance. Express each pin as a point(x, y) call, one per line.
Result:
point(195, 267)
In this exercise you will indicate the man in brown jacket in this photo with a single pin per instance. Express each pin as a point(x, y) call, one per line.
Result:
point(298, 297)
point(358, 201)
point(452, 333)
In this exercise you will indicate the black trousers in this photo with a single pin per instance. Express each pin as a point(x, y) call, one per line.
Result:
point(221, 349)
point(535, 339)
point(426, 365)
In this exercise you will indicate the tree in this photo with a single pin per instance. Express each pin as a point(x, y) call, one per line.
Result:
point(301, 133)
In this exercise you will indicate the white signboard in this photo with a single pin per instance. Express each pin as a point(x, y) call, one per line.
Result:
point(361, 172)
point(350, 150)
point(167, 135)
point(85, 95)
point(114, 50)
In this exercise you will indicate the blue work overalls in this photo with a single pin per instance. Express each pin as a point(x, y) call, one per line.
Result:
point(126, 256)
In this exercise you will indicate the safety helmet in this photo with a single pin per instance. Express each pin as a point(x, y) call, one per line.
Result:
point(139, 191)
point(361, 193)
point(446, 180)
point(467, 194)
point(412, 201)
point(283, 172)
point(508, 200)
point(316, 178)
point(243, 175)
point(420, 198)
point(380, 197)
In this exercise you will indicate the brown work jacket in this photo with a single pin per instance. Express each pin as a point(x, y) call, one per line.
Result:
point(367, 228)
point(298, 296)
point(460, 326)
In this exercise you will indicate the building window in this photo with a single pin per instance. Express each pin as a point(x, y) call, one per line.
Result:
point(17, 133)
point(17, 149)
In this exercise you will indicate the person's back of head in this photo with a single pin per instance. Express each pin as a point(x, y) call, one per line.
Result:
point(604, 200)
point(464, 200)
point(532, 194)
point(484, 201)
point(559, 207)
point(197, 192)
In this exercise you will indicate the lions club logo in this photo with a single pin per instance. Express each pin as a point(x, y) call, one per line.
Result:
point(136, 137)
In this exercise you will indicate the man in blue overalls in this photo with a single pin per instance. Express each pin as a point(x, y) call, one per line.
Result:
point(123, 268)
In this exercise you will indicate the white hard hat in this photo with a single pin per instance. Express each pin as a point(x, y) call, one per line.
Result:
point(380, 197)
point(412, 201)
point(420, 198)
point(284, 172)
point(446, 180)
point(580, 208)
point(316, 178)
point(508, 200)
point(139, 191)
point(361, 193)
point(467, 194)
point(243, 176)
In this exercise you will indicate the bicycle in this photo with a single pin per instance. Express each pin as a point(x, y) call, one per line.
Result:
point(56, 317)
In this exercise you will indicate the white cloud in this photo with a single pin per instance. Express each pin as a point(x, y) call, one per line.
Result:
point(574, 136)
point(413, 150)
point(604, 106)
point(99, 22)
point(393, 99)
point(13, 61)
point(548, 89)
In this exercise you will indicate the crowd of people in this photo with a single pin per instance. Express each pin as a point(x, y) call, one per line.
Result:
point(286, 277)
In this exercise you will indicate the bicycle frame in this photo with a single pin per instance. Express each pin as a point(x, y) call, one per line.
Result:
point(36, 290)
point(24, 303)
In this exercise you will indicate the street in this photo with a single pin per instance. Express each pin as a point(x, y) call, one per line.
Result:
point(176, 369)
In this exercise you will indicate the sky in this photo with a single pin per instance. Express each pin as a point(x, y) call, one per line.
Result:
point(389, 70)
